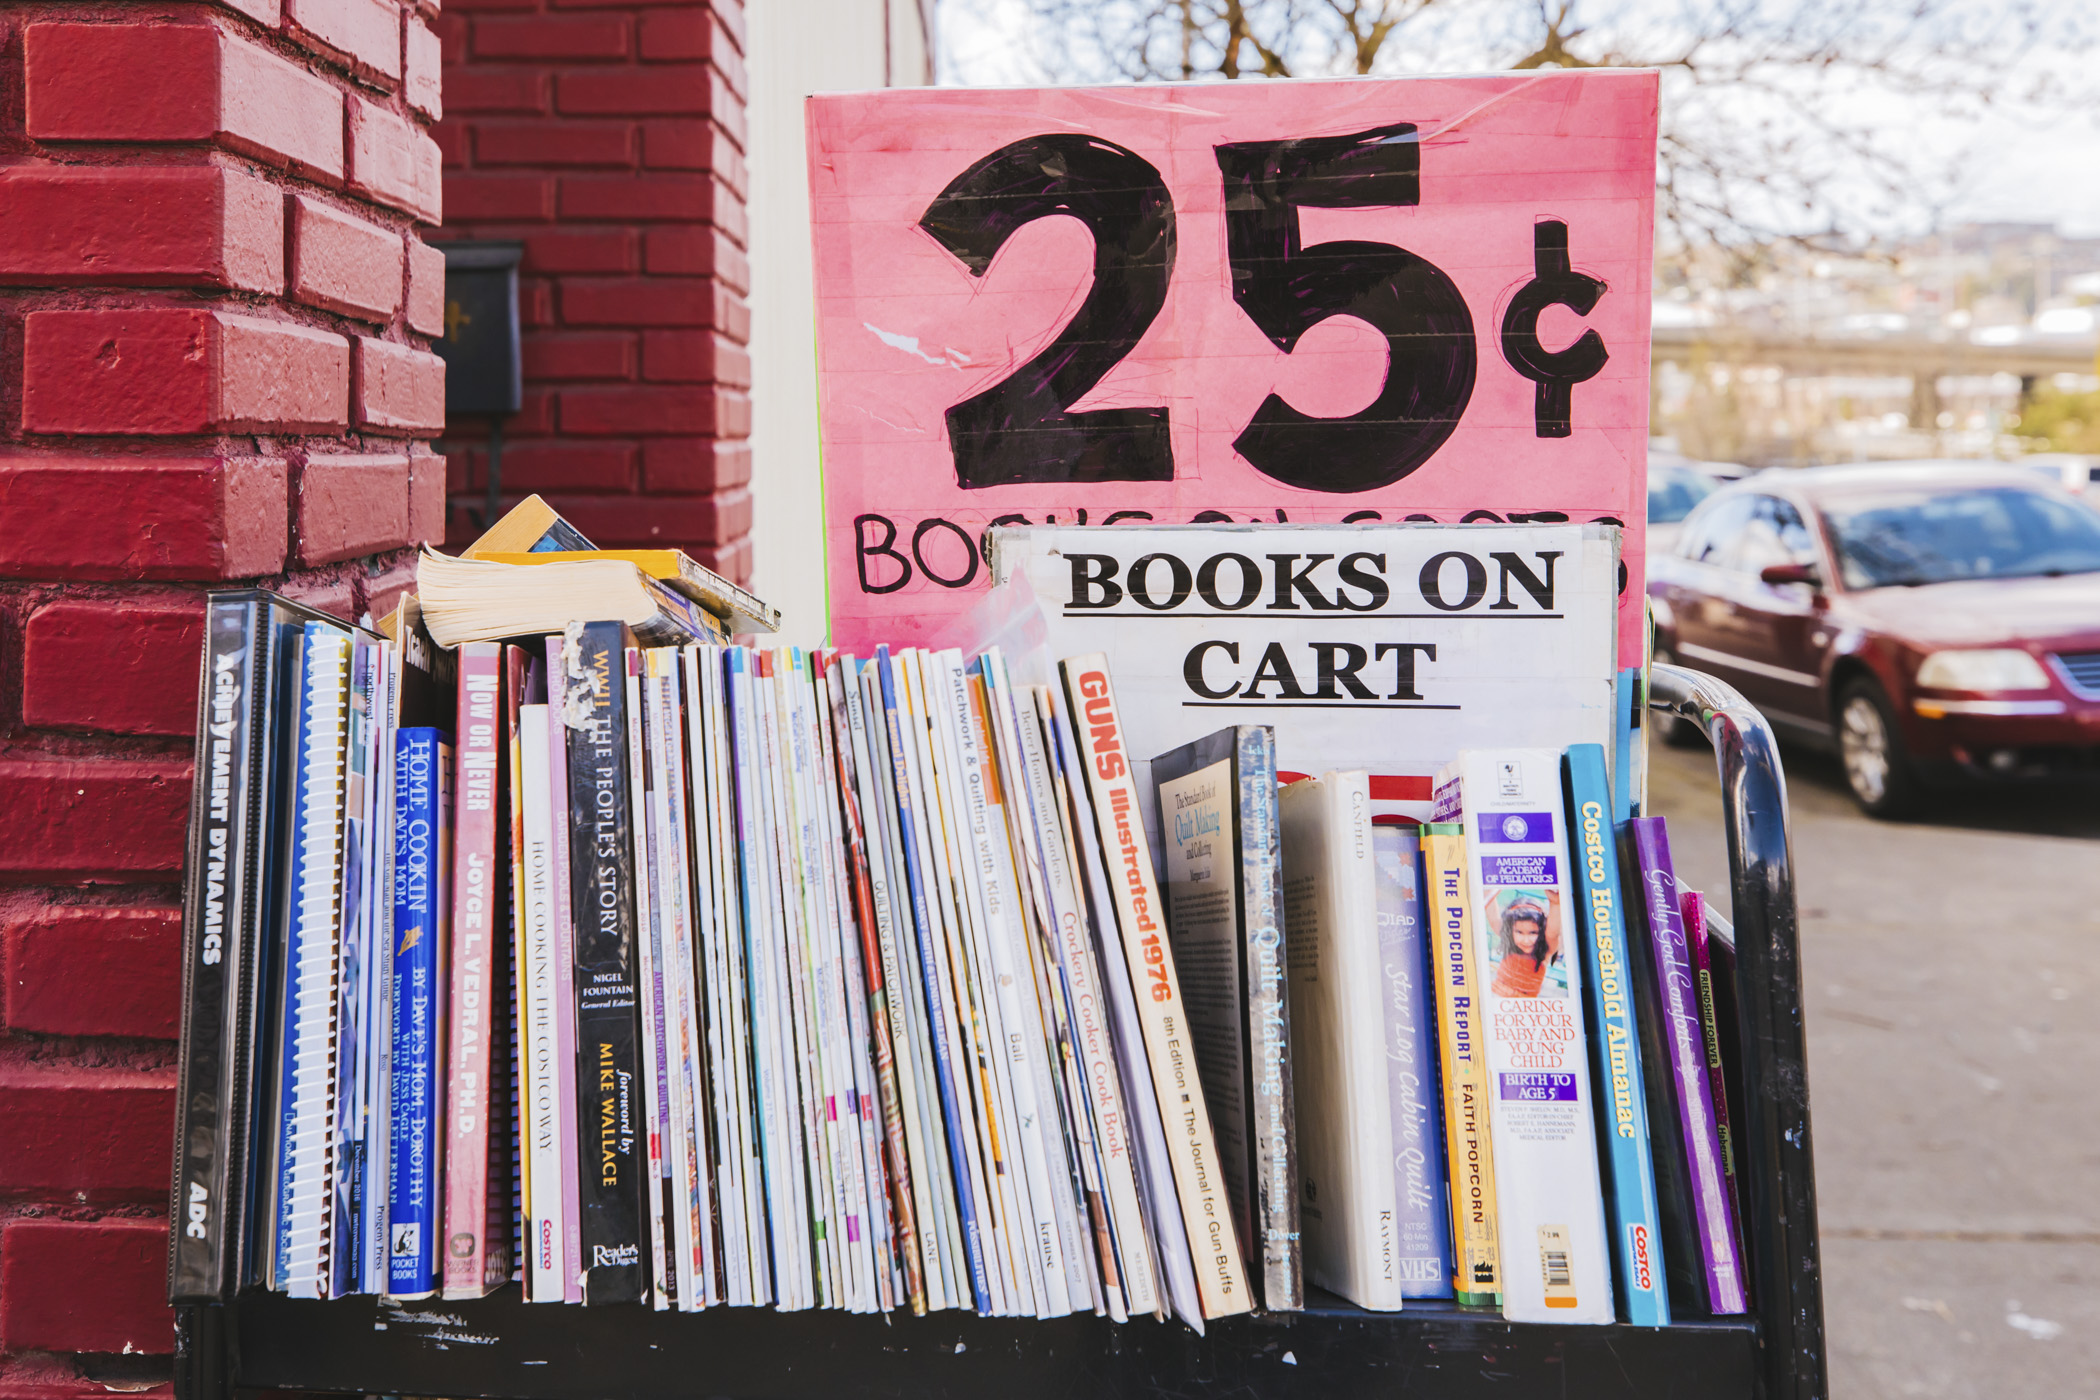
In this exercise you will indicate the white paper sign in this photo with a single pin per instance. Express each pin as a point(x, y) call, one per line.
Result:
point(1382, 647)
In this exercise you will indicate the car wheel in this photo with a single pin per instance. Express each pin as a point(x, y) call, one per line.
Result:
point(1877, 770)
point(1673, 730)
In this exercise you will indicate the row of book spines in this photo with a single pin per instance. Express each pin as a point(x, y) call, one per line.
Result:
point(1627, 1146)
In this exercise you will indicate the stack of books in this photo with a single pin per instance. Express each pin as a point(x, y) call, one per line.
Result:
point(603, 954)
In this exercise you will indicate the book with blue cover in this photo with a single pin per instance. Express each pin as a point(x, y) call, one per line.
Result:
point(422, 839)
point(304, 1146)
point(1422, 1220)
point(1615, 1045)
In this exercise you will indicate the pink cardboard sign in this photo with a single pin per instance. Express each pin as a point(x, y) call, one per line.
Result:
point(1378, 299)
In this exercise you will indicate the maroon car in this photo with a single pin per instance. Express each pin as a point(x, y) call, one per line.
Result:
point(1927, 620)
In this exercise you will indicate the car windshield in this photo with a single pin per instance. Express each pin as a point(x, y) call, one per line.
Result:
point(1673, 491)
point(1977, 532)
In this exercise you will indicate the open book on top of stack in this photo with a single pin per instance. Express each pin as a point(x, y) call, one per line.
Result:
point(534, 572)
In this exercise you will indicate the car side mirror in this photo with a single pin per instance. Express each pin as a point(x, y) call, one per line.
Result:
point(1790, 573)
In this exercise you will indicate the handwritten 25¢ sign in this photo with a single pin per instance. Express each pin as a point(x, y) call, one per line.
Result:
point(1406, 299)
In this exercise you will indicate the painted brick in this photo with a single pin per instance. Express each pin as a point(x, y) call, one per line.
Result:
point(76, 819)
point(426, 499)
point(455, 144)
point(266, 13)
point(682, 32)
point(731, 14)
point(669, 90)
point(426, 288)
point(535, 303)
point(581, 355)
point(399, 389)
point(422, 63)
point(182, 227)
point(473, 90)
point(698, 252)
point(365, 35)
point(555, 143)
point(451, 31)
point(685, 197)
point(637, 301)
point(179, 370)
point(86, 1285)
point(583, 250)
point(694, 357)
point(393, 162)
point(351, 505)
point(341, 263)
point(124, 665)
point(681, 143)
point(557, 464)
point(179, 83)
point(91, 969)
point(568, 38)
point(479, 196)
point(627, 411)
point(143, 518)
point(693, 466)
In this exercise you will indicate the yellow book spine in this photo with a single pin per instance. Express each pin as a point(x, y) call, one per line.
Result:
point(1475, 1254)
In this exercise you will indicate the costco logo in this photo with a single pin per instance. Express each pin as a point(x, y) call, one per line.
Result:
point(1643, 1259)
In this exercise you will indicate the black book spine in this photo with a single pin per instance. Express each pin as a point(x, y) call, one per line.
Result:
point(601, 863)
point(1272, 1120)
point(210, 1129)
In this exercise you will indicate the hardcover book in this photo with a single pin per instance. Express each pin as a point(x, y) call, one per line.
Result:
point(1224, 878)
point(1692, 906)
point(1550, 1211)
point(1221, 1275)
point(1615, 1045)
point(476, 1260)
point(1348, 1208)
point(610, 1152)
point(229, 920)
point(422, 839)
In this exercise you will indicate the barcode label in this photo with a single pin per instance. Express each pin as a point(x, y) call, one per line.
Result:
point(1553, 1264)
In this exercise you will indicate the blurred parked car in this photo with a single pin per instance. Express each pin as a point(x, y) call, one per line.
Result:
point(1927, 620)
point(2076, 473)
point(1673, 490)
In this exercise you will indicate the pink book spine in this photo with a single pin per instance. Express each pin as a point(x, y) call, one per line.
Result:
point(475, 888)
point(565, 983)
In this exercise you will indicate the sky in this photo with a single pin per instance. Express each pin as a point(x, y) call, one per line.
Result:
point(2041, 169)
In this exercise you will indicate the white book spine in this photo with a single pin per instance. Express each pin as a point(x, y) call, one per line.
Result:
point(1025, 1054)
point(741, 1135)
point(943, 977)
point(538, 989)
point(649, 983)
point(1349, 1211)
point(933, 1183)
point(1556, 1265)
point(1016, 1222)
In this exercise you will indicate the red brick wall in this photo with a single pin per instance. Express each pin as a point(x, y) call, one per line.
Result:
point(609, 138)
point(213, 311)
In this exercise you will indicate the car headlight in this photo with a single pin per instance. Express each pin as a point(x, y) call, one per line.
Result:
point(1998, 669)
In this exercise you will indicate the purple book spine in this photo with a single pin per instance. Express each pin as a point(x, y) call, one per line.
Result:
point(1691, 1091)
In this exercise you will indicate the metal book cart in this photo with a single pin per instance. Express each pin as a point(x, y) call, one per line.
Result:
point(502, 1347)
